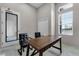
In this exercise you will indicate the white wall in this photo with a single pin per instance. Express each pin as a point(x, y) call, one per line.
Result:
point(0, 29)
point(52, 19)
point(45, 12)
point(74, 39)
point(48, 11)
point(27, 16)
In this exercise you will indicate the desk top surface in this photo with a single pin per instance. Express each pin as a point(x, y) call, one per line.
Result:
point(39, 43)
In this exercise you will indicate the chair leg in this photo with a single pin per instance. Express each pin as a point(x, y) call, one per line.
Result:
point(33, 52)
point(27, 52)
point(20, 51)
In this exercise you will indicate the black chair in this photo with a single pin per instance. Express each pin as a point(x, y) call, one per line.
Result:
point(23, 37)
point(37, 34)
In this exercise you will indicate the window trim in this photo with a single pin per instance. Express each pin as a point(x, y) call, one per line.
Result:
point(59, 21)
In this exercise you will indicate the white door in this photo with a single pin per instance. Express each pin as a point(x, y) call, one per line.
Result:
point(43, 27)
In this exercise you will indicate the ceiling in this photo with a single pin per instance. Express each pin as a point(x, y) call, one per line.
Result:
point(36, 5)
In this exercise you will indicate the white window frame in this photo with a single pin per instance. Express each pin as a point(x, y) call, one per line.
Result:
point(60, 12)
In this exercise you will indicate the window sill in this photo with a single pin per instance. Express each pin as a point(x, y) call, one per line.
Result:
point(66, 34)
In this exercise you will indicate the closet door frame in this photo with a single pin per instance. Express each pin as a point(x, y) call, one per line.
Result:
point(6, 26)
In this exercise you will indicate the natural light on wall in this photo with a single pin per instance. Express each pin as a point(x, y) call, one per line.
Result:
point(65, 19)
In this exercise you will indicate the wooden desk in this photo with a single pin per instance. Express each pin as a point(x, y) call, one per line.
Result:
point(41, 44)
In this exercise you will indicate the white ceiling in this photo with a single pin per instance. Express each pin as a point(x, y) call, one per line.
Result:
point(36, 5)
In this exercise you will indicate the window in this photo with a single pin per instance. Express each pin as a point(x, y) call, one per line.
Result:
point(65, 18)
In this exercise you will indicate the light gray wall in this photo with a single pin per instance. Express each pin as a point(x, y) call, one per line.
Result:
point(73, 39)
point(0, 30)
point(45, 11)
point(52, 19)
point(27, 16)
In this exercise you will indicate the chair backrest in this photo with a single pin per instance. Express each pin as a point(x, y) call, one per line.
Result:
point(37, 34)
point(23, 37)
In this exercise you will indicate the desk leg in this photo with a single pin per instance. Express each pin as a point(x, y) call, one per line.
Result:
point(27, 52)
point(40, 53)
point(60, 46)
